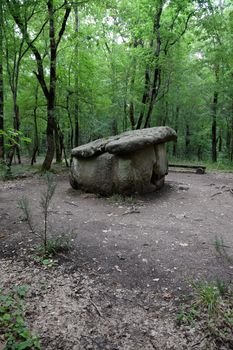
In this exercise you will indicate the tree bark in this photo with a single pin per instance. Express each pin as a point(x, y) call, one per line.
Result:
point(151, 91)
point(76, 77)
point(1, 86)
point(174, 149)
point(214, 127)
point(187, 140)
point(214, 117)
point(36, 136)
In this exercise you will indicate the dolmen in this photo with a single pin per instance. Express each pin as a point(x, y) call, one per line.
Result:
point(132, 162)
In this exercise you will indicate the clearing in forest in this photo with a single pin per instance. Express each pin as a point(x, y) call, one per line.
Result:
point(132, 263)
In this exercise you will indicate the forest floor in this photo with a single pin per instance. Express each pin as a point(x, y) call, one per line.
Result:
point(131, 266)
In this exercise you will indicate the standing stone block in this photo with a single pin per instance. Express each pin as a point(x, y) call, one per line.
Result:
point(135, 161)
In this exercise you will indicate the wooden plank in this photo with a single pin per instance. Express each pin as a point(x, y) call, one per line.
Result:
point(200, 169)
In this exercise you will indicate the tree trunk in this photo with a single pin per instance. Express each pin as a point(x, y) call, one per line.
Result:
point(174, 149)
point(1, 87)
point(76, 77)
point(214, 117)
point(16, 124)
point(58, 143)
point(50, 139)
point(71, 136)
point(132, 83)
point(220, 141)
point(52, 91)
point(187, 140)
point(36, 136)
point(151, 92)
point(214, 127)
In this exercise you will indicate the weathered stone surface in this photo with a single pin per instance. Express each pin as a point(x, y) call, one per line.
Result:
point(129, 141)
point(132, 141)
point(135, 161)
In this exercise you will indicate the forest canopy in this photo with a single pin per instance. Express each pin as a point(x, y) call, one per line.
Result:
point(75, 71)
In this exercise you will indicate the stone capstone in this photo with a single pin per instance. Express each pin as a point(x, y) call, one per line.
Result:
point(134, 161)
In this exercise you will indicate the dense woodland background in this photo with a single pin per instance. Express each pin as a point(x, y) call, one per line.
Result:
point(71, 72)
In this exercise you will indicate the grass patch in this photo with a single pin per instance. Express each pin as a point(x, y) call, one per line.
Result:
point(17, 171)
point(14, 333)
point(61, 244)
point(120, 199)
point(212, 310)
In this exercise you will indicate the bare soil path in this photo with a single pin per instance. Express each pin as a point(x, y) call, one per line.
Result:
point(130, 265)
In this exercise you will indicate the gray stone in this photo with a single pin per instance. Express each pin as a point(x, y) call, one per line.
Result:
point(129, 141)
point(135, 161)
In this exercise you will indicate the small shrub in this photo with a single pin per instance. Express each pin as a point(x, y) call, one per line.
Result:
point(54, 246)
point(13, 328)
point(221, 249)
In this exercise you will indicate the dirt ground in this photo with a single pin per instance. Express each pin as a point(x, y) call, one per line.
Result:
point(131, 264)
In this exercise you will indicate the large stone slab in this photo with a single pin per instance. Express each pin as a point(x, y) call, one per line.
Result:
point(129, 141)
point(135, 161)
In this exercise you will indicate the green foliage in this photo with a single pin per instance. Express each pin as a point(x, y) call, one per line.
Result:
point(13, 137)
point(13, 328)
point(212, 308)
point(107, 54)
point(54, 246)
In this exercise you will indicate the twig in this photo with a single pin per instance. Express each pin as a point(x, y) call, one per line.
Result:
point(96, 307)
point(215, 194)
point(133, 211)
point(71, 203)
point(199, 341)
point(153, 345)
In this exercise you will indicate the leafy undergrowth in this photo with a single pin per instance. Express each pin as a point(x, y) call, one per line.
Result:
point(14, 333)
point(212, 310)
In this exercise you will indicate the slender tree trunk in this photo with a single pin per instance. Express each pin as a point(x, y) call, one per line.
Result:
point(132, 83)
point(220, 141)
point(58, 143)
point(1, 86)
point(214, 127)
point(71, 137)
point(187, 140)
point(52, 91)
point(76, 75)
point(16, 124)
point(174, 150)
point(145, 97)
point(36, 136)
point(151, 92)
point(214, 117)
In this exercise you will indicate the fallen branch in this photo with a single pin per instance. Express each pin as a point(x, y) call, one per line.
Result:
point(96, 307)
point(132, 211)
point(216, 194)
point(71, 203)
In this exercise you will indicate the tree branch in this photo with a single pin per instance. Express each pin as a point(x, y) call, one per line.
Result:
point(63, 27)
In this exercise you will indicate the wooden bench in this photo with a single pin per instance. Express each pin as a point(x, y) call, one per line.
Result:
point(200, 169)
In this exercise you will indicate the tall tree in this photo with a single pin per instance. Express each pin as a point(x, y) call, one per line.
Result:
point(1, 84)
point(49, 89)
